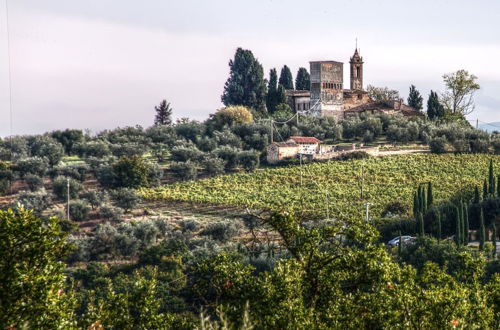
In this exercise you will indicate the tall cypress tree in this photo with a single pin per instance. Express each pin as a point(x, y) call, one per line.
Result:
point(482, 230)
point(439, 235)
point(466, 224)
point(415, 205)
point(286, 79)
point(491, 180)
point(400, 245)
point(494, 241)
point(246, 84)
point(424, 199)
point(485, 190)
point(430, 198)
point(272, 91)
point(421, 229)
point(477, 197)
point(415, 100)
point(281, 97)
point(458, 227)
point(303, 80)
point(434, 108)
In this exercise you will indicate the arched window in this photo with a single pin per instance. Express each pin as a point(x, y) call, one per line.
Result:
point(358, 72)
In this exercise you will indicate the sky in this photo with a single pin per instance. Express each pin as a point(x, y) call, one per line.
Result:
point(101, 64)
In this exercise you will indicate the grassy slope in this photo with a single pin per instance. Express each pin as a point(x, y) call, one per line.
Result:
point(386, 179)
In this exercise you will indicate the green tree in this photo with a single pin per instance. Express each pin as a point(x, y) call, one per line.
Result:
point(32, 280)
point(482, 230)
point(477, 196)
point(126, 198)
point(430, 198)
point(286, 79)
point(232, 115)
point(382, 93)
point(435, 109)
point(303, 80)
point(131, 172)
point(421, 229)
point(272, 91)
point(485, 190)
point(246, 84)
point(458, 227)
point(415, 100)
point(439, 228)
point(459, 94)
point(163, 113)
point(68, 138)
point(494, 240)
point(466, 224)
point(491, 180)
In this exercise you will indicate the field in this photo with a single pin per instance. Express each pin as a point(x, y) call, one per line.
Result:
point(334, 189)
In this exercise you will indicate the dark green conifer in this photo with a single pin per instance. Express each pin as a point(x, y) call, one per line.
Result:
point(286, 79)
point(415, 205)
point(438, 215)
point(421, 229)
point(430, 198)
point(466, 224)
point(485, 190)
point(482, 230)
point(272, 91)
point(458, 227)
point(400, 245)
point(477, 197)
point(494, 241)
point(491, 180)
point(498, 185)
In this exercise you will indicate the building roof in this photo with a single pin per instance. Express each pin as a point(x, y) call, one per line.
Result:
point(297, 93)
point(304, 139)
point(285, 144)
point(381, 106)
point(326, 62)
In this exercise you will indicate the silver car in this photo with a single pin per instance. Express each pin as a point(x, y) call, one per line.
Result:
point(395, 240)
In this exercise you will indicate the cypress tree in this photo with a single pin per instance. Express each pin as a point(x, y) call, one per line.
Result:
point(434, 108)
point(415, 100)
point(477, 197)
point(303, 80)
point(421, 229)
point(482, 230)
point(458, 229)
point(415, 205)
point(466, 224)
point(491, 180)
point(424, 199)
point(430, 198)
point(439, 235)
point(485, 190)
point(272, 91)
point(494, 241)
point(286, 79)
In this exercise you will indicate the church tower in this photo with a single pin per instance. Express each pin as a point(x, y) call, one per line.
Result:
point(356, 71)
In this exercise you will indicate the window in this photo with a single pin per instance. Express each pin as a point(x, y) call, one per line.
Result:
point(358, 72)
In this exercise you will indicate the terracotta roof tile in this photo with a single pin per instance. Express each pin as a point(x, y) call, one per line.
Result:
point(305, 139)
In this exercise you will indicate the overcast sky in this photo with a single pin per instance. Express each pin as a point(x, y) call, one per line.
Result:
point(106, 63)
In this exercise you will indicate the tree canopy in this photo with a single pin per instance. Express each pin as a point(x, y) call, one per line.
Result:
point(459, 94)
point(303, 80)
point(286, 79)
point(163, 113)
point(382, 93)
point(434, 107)
point(246, 84)
point(415, 100)
point(272, 91)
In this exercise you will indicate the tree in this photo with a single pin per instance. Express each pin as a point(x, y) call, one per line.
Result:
point(231, 115)
point(382, 93)
point(465, 213)
point(163, 113)
point(458, 227)
point(249, 160)
point(482, 230)
point(126, 198)
point(459, 96)
point(32, 279)
point(439, 228)
point(272, 91)
point(132, 172)
point(303, 80)
point(246, 84)
point(435, 109)
point(415, 100)
point(491, 180)
point(286, 79)
point(68, 138)
point(421, 229)
point(430, 198)
point(494, 240)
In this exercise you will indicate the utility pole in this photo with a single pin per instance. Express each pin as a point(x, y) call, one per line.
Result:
point(67, 198)
point(362, 178)
point(367, 217)
point(272, 139)
point(477, 123)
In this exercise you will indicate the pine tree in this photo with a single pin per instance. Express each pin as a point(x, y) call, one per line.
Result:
point(272, 91)
point(482, 230)
point(430, 198)
point(434, 108)
point(246, 84)
point(494, 241)
point(485, 190)
point(303, 80)
point(458, 230)
point(421, 229)
point(415, 100)
point(439, 235)
point(286, 79)
point(477, 197)
point(491, 180)
point(163, 113)
point(281, 98)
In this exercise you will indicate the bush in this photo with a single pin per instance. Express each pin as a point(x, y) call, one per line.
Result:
point(437, 145)
point(354, 155)
point(184, 171)
point(185, 153)
point(131, 172)
point(249, 160)
point(32, 165)
point(221, 230)
point(189, 225)
point(33, 181)
point(36, 201)
point(390, 227)
point(95, 198)
point(155, 174)
point(60, 187)
point(110, 212)
point(229, 155)
point(368, 137)
point(98, 149)
point(126, 198)
point(75, 171)
point(79, 210)
point(213, 165)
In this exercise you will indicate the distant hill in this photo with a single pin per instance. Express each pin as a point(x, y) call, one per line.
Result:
point(490, 127)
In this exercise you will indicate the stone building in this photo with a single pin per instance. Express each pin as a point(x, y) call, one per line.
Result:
point(327, 96)
point(294, 146)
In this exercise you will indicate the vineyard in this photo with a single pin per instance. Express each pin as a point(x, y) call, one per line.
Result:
point(334, 189)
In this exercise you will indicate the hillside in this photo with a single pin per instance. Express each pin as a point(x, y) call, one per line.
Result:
point(305, 188)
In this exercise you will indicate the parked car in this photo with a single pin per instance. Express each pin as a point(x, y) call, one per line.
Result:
point(406, 240)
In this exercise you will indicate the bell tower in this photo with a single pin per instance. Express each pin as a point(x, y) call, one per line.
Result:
point(356, 63)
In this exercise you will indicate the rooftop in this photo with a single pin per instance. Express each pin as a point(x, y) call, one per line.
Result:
point(304, 139)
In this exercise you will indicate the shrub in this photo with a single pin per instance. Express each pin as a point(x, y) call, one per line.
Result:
point(368, 136)
point(32, 165)
point(110, 212)
point(95, 198)
point(60, 187)
point(213, 165)
point(221, 230)
point(131, 172)
point(233, 114)
point(33, 181)
point(37, 201)
point(185, 153)
point(229, 155)
point(437, 145)
point(155, 174)
point(353, 155)
point(79, 210)
point(98, 149)
point(249, 160)
point(185, 171)
point(126, 198)
point(189, 225)
point(391, 227)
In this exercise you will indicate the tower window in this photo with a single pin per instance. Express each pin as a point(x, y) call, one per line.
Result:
point(358, 72)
